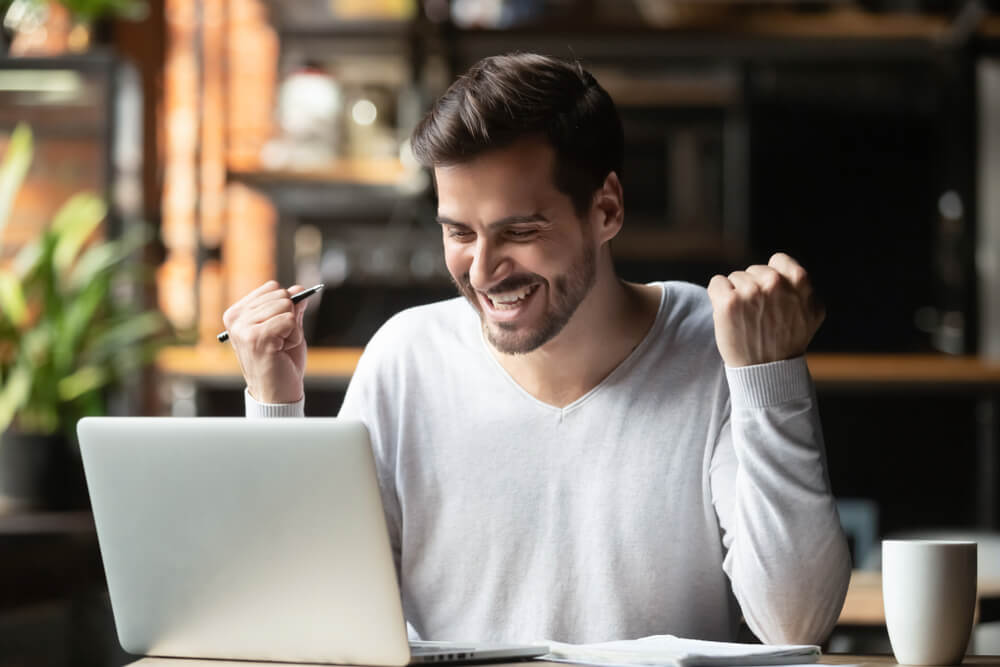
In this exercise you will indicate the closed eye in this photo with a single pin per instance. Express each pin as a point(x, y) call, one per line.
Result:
point(460, 234)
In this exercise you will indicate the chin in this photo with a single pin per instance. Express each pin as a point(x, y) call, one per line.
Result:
point(513, 342)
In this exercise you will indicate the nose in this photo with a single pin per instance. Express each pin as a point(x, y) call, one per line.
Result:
point(489, 265)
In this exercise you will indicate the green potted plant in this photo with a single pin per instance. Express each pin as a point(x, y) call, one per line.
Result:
point(66, 335)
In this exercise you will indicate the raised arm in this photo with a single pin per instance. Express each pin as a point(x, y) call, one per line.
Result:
point(786, 554)
point(265, 330)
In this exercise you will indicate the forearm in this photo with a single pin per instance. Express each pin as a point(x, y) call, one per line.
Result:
point(787, 557)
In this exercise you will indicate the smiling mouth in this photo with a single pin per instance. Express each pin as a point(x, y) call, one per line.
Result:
point(509, 299)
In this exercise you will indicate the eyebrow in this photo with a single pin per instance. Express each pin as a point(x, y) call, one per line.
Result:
point(502, 222)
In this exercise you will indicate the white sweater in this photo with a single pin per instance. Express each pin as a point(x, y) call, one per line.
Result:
point(641, 508)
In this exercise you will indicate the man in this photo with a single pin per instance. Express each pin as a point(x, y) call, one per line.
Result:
point(576, 457)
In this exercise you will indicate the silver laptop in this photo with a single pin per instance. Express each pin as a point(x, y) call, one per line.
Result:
point(264, 539)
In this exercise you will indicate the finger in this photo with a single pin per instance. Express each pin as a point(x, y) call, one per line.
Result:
point(766, 277)
point(744, 284)
point(722, 293)
point(269, 286)
point(274, 331)
point(300, 309)
point(790, 269)
point(719, 287)
point(798, 278)
point(295, 338)
point(265, 310)
point(301, 306)
point(232, 313)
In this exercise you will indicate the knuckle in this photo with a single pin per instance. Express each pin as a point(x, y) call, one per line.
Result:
point(798, 276)
point(770, 281)
point(716, 286)
point(749, 290)
point(783, 259)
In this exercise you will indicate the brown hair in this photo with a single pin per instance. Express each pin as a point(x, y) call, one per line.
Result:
point(504, 98)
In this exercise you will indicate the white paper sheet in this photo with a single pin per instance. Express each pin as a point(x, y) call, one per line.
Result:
point(678, 652)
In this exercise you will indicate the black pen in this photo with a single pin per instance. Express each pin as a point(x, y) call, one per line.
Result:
point(304, 294)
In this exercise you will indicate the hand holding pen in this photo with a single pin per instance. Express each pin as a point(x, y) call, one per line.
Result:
point(265, 330)
point(298, 296)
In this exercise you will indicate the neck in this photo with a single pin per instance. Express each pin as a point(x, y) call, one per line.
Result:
point(610, 322)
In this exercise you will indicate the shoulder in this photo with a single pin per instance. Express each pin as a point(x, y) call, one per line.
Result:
point(686, 308)
point(684, 328)
point(416, 345)
point(421, 331)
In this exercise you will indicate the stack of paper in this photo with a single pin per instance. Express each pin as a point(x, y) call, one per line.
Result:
point(670, 650)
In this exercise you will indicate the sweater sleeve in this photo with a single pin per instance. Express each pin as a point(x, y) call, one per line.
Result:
point(255, 408)
point(786, 554)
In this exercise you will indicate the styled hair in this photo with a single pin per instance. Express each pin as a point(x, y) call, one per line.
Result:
point(504, 98)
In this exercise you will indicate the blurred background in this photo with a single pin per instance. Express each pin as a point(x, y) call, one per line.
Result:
point(164, 157)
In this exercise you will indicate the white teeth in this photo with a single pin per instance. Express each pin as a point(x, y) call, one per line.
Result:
point(509, 298)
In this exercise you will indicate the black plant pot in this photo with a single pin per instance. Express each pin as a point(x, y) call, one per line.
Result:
point(39, 472)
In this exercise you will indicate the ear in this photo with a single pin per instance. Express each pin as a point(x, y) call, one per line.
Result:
point(608, 210)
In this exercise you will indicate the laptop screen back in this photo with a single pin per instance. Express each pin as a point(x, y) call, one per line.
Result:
point(244, 539)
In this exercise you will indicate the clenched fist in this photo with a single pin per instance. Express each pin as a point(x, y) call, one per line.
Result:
point(765, 313)
point(265, 329)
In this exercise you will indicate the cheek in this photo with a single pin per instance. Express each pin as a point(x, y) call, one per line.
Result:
point(456, 260)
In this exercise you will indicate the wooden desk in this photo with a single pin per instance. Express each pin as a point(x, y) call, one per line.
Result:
point(830, 659)
point(864, 606)
point(883, 660)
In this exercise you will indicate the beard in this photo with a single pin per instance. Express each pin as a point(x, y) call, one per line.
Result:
point(567, 291)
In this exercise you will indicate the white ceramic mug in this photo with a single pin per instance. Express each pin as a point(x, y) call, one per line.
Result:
point(929, 590)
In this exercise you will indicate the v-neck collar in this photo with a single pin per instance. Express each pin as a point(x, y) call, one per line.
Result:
point(621, 368)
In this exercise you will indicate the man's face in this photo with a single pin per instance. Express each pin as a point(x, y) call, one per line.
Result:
point(514, 245)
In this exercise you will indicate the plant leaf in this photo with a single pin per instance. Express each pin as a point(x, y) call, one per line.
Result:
point(75, 221)
point(82, 381)
point(14, 393)
point(102, 256)
point(124, 334)
point(28, 259)
point(13, 169)
point(76, 320)
point(12, 301)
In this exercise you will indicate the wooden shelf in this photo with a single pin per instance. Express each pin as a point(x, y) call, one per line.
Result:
point(902, 370)
point(739, 34)
point(840, 23)
point(211, 362)
point(843, 22)
point(345, 189)
point(217, 363)
point(641, 242)
point(386, 172)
